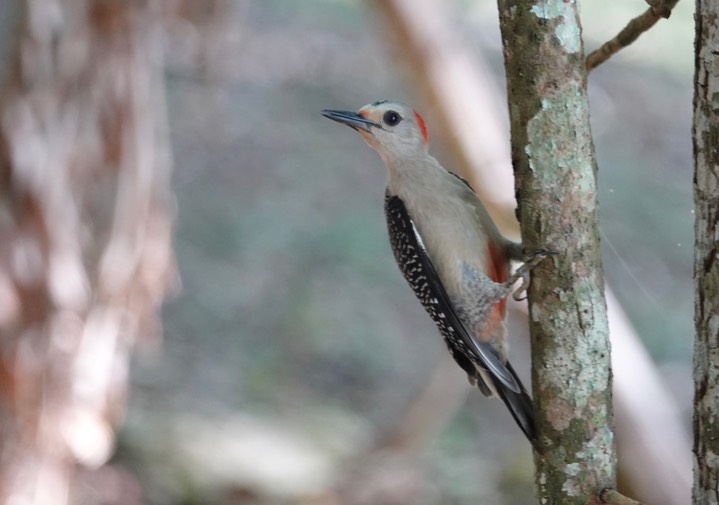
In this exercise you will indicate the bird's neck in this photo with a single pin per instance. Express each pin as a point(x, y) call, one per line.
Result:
point(414, 176)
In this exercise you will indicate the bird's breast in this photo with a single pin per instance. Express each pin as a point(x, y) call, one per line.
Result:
point(454, 239)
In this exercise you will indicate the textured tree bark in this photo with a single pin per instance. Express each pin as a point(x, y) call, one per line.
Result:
point(706, 254)
point(85, 234)
point(555, 171)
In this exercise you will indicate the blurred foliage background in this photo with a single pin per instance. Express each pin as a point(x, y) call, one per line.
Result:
point(293, 343)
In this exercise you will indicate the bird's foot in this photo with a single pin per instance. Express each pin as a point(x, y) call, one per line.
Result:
point(531, 260)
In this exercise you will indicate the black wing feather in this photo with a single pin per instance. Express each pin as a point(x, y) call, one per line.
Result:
point(421, 275)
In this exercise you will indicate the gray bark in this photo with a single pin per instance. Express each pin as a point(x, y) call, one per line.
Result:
point(555, 170)
point(706, 254)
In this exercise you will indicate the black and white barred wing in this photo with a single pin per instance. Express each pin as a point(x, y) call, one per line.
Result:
point(418, 270)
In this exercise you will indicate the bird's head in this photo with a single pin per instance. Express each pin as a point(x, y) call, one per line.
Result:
point(393, 129)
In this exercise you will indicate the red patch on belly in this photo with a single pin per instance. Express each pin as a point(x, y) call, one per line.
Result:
point(498, 271)
point(495, 319)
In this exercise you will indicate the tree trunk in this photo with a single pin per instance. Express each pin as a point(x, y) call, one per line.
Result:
point(706, 254)
point(85, 234)
point(555, 173)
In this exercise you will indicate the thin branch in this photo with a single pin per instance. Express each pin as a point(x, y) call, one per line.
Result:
point(658, 9)
point(613, 497)
point(629, 34)
point(662, 7)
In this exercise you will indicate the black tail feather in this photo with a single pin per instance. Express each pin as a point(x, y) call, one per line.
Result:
point(520, 406)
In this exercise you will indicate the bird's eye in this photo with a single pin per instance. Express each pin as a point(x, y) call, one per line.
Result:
point(391, 118)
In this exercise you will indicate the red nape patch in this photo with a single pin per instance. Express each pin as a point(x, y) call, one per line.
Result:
point(422, 126)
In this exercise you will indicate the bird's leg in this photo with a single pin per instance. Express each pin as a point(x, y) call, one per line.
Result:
point(530, 261)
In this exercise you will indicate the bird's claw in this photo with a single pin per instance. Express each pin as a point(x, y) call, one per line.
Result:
point(520, 293)
point(538, 255)
point(531, 260)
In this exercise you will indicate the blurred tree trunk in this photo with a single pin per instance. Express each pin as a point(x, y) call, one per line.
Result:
point(85, 234)
point(706, 254)
point(555, 171)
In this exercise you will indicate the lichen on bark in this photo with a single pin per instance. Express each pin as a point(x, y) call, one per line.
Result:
point(555, 169)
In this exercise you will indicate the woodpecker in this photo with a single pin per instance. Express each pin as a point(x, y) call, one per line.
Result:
point(449, 250)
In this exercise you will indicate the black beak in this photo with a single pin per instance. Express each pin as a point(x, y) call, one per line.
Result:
point(351, 119)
